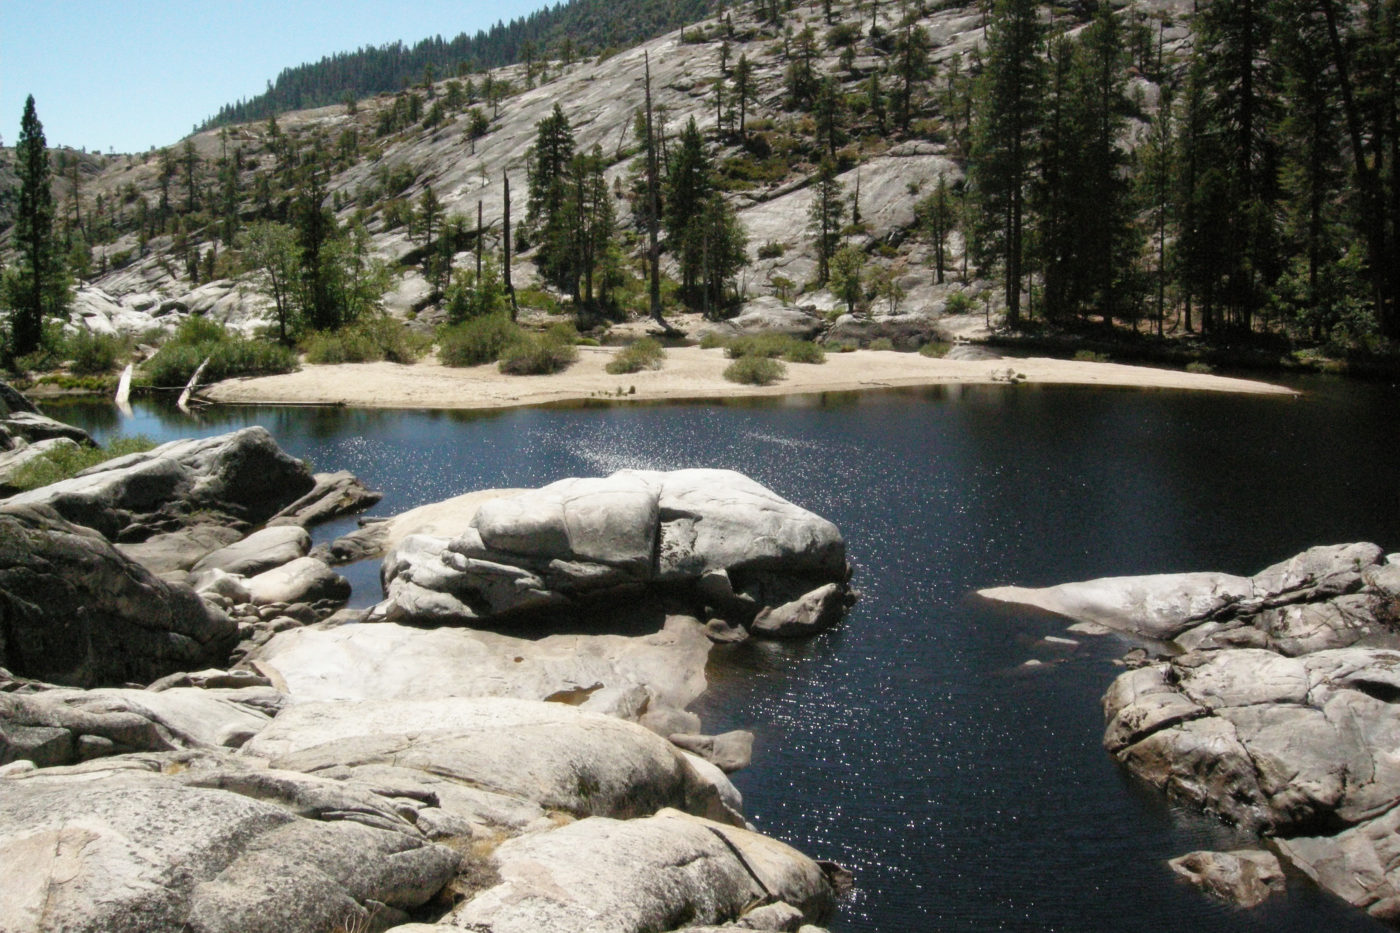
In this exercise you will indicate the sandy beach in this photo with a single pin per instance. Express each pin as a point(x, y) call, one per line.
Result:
point(687, 373)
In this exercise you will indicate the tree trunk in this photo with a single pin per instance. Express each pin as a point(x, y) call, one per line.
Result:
point(505, 265)
point(653, 238)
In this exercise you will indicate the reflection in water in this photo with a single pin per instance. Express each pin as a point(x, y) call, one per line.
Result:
point(966, 791)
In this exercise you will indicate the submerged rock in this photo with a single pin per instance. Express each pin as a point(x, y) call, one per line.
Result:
point(1246, 877)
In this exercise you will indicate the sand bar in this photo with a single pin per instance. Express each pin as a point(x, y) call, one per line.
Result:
point(688, 373)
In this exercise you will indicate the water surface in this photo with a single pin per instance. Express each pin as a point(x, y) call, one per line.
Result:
point(966, 791)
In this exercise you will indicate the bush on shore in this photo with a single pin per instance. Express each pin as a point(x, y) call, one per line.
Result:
point(541, 354)
point(773, 346)
point(643, 353)
point(477, 341)
point(229, 355)
point(755, 370)
point(368, 340)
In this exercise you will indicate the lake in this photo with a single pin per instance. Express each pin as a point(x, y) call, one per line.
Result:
point(964, 789)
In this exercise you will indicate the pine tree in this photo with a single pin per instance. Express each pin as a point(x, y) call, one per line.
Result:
point(828, 113)
point(168, 170)
point(1204, 256)
point(1086, 241)
point(228, 199)
point(801, 76)
point(743, 89)
point(547, 167)
point(912, 67)
point(653, 213)
point(825, 216)
point(688, 186)
point(1239, 112)
point(1312, 168)
point(1003, 147)
point(1365, 58)
point(315, 226)
point(1156, 159)
point(37, 288)
point(189, 161)
point(588, 216)
point(936, 214)
point(875, 100)
point(701, 228)
point(437, 262)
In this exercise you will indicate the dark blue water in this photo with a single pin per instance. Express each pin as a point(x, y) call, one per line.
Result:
point(911, 745)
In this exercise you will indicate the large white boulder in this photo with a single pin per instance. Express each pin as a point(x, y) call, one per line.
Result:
point(581, 540)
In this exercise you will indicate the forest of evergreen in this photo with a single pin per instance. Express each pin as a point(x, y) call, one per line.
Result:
point(565, 31)
point(1236, 181)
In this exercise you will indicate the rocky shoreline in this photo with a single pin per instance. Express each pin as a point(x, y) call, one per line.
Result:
point(1269, 701)
point(195, 735)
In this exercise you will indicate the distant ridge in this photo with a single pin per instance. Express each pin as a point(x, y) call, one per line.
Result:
point(592, 25)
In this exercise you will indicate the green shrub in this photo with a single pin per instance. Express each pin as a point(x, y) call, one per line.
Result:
point(755, 370)
point(94, 354)
point(466, 297)
point(532, 296)
point(199, 330)
point(935, 349)
point(713, 341)
point(881, 343)
point(229, 356)
point(368, 340)
point(803, 351)
point(775, 345)
point(1200, 367)
point(63, 462)
point(103, 384)
point(244, 357)
point(643, 353)
point(48, 355)
point(538, 354)
point(959, 303)
point(1089, 356)
point(564, 332)
point(478, 341)
point(769, 345)
point(770, 250)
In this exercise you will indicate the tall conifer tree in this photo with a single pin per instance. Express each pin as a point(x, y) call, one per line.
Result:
point(1004, 137)
point(38, 286)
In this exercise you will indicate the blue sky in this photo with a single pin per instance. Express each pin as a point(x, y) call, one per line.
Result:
point(132, 74)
